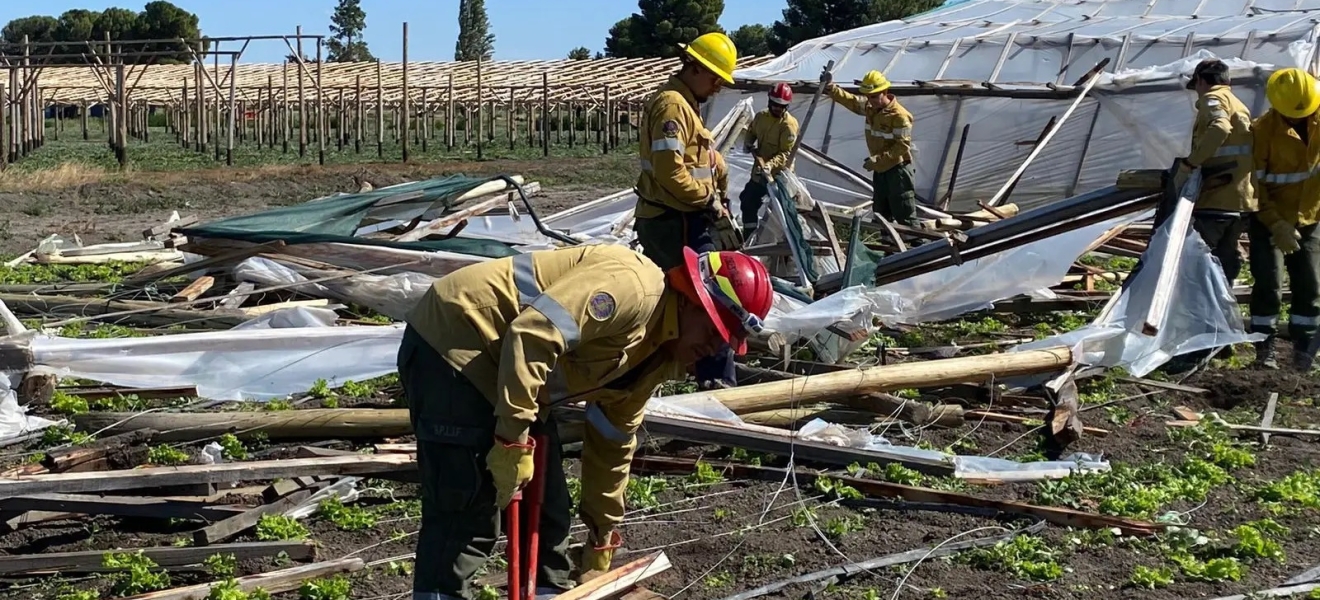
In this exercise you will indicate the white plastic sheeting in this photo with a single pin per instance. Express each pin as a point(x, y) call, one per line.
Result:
point(1138, 116)
point(1201, 314)
point(948, 292)
point(391, 295)
point(239, 364)
point(702, 406)
point(14, 420)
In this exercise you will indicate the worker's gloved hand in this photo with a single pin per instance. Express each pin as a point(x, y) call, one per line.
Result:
point(869, 163)
point(598, 557)
point(1285, 237)
point(511, 466)
point(826, 78)
point(714, 158)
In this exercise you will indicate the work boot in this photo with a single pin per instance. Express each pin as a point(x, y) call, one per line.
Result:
point(1303, 359)
point(1265, 355)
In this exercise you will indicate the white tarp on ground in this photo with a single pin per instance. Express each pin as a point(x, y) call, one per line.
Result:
point(1139, 117)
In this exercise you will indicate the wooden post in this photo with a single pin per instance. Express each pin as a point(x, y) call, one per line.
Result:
point(380, 113)
point(302, 100)
point(449, 115)
point(404, 104)
point(422, 118)
point(508, 124)
point(479, 108)
point(121, 147)
point(201, 104)
point(357, 119)
point(6, 127)
point(219, 111)
point(229, 140)
point(545, 114)
point(321, 123)
point(607, 122)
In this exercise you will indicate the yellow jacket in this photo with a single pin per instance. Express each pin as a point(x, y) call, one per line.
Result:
point(585, 323)
point(771, 138)
point(675, 154)
point(1222, 133)
point(888, 130)
point(1286, 170)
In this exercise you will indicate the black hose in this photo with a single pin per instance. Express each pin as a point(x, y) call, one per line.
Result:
point(546, 231)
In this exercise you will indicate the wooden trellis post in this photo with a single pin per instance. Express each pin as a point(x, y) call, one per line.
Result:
point(404, 107)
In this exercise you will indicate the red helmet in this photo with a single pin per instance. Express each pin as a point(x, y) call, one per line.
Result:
point(733, 288)
point(781, 94)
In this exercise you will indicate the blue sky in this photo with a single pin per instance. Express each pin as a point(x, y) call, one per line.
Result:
point(524, 29)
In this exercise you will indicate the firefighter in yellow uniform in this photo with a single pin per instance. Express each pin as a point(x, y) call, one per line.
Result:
point(679, 193)
point(769, 139)
point(490, 348)
point(888, 145)
point(1284, 233)
point(1221, 134)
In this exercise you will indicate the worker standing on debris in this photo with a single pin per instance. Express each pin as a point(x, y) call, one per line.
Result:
point(682, 189)
point(769, 140)
point(1284, 234)
point(1221, 134)
point(492, 347)
point(888, 145)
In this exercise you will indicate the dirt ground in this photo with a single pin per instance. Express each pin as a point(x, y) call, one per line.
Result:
point(117, 208)
point(727, 536)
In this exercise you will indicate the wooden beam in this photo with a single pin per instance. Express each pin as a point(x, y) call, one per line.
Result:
point(274, 582)
point(1267, 420)
point(619, 580)
point(310, 424)
point(194, 290)
point(221, 473)
point(91, 561)
point(245, 520)
point(122, 506)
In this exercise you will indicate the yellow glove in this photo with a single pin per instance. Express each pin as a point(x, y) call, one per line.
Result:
point(511, 466)
point(869, 163)
point(598, 558)
point(1285, 237)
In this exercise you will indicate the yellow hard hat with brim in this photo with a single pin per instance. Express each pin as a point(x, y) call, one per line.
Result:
point(716, 52)
point(1293, 93)
point(873, 83)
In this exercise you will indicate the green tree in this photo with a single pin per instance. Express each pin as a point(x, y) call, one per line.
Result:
point(660, 25)
point(752, 40)
point(579, 53)
point(475, 41)
point(74, 25)
point(808, 19)
point(162, 20)
point(37, 29)
point(119, 23)
point(347, 24)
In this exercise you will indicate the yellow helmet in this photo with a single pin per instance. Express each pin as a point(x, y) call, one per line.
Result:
point(716, 52)
point(873, 83)
point(1293, 93)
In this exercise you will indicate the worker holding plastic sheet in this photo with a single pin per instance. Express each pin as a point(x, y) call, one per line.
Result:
point(682, 189)
point(769, 140)
point(1221, 134)
point(1284, 234)
point(888, 145)
point(492, 347)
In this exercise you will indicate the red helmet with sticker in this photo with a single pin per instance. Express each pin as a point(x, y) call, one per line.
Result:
point(735, 290)
point(781, 94)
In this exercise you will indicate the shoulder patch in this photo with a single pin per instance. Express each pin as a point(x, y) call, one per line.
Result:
point(670, 127)
point(601, 306)
point(1212, 102)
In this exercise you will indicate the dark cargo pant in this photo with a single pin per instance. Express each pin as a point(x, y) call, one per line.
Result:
point(663, 239)
point(894, 195)
point(1222, 232)
point(455, 427)
point(750, 201)
point(1268, 265)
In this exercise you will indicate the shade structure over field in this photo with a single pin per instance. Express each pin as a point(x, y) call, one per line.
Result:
point(1003, 68)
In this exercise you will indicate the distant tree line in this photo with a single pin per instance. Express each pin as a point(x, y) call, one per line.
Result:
point(158, 20)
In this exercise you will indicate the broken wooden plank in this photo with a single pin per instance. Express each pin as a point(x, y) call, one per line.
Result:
point(65, 459)
point(232, 256)
point(880, 489)
point(362, 464)
point(1251, 428)
point(315, 423)
point(122, 506)
point(236, 524)
point(618, 581)
point(167, 557)
point(199, 286)
point(161, 314)
point(237, 296)
point(1267, 420)
point(1164, 385)
point(274, 582)
point(98, 392)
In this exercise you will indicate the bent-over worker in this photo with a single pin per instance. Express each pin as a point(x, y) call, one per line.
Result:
point(492, 345)
point(682, 188)
point(888, 145)
point(769, 139)
point(1221, 134)
point(1284, 233)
